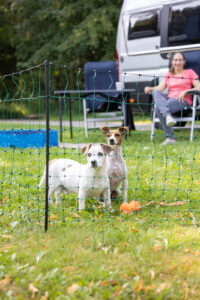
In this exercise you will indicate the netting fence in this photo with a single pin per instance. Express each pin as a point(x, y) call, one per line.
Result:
point(38, 125)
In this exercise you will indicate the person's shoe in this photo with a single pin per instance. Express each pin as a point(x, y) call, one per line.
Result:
point(170, 121)
point(169, 141)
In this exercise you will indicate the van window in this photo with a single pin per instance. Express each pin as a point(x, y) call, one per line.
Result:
point(143, 25)
point(184, 24)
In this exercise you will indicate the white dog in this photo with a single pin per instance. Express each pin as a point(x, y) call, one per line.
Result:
point(117, 169)
point(90, 180)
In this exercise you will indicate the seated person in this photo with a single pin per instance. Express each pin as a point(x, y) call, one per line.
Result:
point(179, 82)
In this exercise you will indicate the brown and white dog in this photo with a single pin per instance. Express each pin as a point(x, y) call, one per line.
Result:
point(117, 169)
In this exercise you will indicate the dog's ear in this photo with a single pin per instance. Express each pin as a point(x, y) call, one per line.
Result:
point(105, 129)
point(106, 149)
point(86, 148)
point(123, 130)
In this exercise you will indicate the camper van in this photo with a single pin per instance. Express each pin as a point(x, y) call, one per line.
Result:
point(148, 32)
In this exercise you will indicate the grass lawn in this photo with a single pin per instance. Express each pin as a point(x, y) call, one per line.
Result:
point(98, 254)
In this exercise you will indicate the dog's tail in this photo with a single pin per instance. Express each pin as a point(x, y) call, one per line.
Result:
point(43, 179)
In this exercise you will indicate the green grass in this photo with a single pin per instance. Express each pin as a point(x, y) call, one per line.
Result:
point(100, 254)
point(119, 260)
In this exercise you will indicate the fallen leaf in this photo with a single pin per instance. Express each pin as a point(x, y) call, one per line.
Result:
point(157, 247)
point(72, 289)
point(52, 217)
point(5, 248)
point(173, 267)
point(112, 282)
point(5, 199)
point(185, 285)
point(126, 276)
point(45, 297)
point(7, 236)
point(70, 269)
point(134, 273)
point(103, 283)
point(152, 274)
point(74, 214)
point(108, 282)
point(177, 203)
point(134, 230)
point(162, 287)
point(4, 282)
point(139, 286)
point(33, 290)
point(81, 222)
point(149, 287)
point(86, 243)
point(191, 251)
point(90, 285)
point(117, 292)
point(39, 223)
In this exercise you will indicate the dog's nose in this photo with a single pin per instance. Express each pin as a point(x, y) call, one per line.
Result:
point(94, 163)
point(112, 141)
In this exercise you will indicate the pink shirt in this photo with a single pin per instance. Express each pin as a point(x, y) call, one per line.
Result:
point(178, 84)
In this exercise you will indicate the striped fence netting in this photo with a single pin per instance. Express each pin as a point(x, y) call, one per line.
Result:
point(50, 114)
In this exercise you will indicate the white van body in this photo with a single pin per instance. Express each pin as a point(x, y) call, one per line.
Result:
point(148, 31)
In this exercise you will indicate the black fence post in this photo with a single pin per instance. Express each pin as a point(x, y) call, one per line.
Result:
point(47, 143)
point(60, 117)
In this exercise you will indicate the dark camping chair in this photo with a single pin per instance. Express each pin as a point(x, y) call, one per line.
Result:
point(106, 105)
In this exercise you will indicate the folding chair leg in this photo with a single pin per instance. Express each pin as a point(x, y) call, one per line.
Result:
point(85, 117)
point(124, 112)
point(192, 125)
point(153, 124)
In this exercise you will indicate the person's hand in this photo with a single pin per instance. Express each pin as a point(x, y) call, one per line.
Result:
point(147, 89)
point(182, 96)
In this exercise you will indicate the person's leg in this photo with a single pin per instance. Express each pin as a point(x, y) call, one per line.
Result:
point(169, 133)
point(160, 100)
point(162, 110)
point(175, 106)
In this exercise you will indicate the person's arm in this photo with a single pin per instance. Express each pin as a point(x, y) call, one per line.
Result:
point(161, 87)
point(196, 86)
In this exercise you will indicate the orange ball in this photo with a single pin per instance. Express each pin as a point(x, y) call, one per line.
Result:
point(125, 208)
point(135, 205)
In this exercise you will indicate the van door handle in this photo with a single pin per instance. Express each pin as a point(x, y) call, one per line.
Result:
point(157, 47)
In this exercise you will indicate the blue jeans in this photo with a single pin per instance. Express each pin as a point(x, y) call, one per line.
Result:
point(166, 106)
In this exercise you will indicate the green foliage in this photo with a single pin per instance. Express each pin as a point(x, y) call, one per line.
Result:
point(68, 32)
point(7, 51)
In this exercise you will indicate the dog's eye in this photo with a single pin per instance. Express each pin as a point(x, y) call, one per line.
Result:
point(117, 134)
point(100, 154)
point(108, 135)
point(89, 154)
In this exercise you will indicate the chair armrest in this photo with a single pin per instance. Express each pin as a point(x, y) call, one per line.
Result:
point(196, 101)
point(194, 92)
